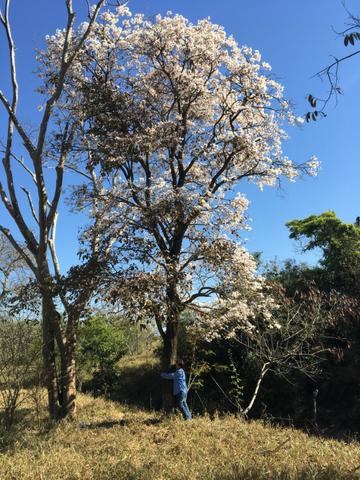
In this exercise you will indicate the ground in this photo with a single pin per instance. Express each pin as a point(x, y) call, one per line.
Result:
point(112, 441)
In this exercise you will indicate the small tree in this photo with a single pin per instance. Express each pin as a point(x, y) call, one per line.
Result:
point(102, 342)
point(293, 344)
point(20, 350)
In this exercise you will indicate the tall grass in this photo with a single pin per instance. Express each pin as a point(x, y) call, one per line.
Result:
point(114, 442)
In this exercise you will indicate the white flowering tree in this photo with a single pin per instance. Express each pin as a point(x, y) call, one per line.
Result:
point(177, 115)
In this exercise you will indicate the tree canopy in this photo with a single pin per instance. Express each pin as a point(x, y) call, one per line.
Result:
point(340, 245)
point(174, 117)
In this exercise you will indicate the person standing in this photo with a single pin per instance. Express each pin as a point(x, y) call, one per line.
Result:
point(180, 388)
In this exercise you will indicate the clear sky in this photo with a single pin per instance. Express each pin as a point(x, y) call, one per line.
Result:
point(296, 38)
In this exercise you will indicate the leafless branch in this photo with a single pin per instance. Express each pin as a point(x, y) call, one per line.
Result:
point(20, 250)
point(350, 35)
point(68, 137)
point(28, 195)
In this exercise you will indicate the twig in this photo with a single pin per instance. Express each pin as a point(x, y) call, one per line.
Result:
point(273, 450)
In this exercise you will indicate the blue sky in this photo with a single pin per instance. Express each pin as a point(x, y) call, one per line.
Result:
point(297, 40)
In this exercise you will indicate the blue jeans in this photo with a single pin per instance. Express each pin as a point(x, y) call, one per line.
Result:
point(181, 401)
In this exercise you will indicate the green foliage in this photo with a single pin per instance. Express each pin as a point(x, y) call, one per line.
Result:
point(292, 276)
point(340, 246)
point(237, 387)
point(351, 38)
point(198, 373)
point(102, 342)
point(337, 278)
point(327, 232)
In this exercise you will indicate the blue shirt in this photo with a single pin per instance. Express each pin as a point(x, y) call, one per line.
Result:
point(179, 378)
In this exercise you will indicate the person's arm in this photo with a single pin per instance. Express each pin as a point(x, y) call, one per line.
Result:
point(167, 376)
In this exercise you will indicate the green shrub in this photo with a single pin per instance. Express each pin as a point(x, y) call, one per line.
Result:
point(102, 342)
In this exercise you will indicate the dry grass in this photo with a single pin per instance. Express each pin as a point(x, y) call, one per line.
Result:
point(121, 443)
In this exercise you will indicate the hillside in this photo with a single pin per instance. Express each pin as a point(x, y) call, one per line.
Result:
point(111, 441)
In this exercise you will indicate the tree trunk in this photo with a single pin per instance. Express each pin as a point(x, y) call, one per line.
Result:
point(49, 356)
point(68, 377)
point(62, 390)
point(169, 360)
point(170, 344)
point(264, 370)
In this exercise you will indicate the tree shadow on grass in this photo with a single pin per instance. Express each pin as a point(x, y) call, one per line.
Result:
point(138, 385)
point(117, 423)
point(105, 424)
point(135, 384)
point(20, 415)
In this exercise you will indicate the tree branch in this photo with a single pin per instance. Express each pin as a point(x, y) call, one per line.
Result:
point(65, 147)
point(27, 193)
point(19, 249)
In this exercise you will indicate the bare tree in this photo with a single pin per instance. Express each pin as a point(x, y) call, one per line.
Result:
point(294, 343)
point(37, 231)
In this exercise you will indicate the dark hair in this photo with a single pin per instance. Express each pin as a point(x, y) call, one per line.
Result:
point(180, 363)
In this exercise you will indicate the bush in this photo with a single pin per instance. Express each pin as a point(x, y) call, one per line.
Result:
point(102, 342)
point(20, 354)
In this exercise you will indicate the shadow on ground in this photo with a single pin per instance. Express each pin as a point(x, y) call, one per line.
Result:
point(117, 423)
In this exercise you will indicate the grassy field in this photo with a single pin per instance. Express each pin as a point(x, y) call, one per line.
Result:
point(113, 442)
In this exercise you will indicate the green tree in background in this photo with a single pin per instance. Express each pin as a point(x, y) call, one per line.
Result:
point(339, 267)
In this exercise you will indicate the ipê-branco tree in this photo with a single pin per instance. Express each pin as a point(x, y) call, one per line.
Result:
point(177, 116)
